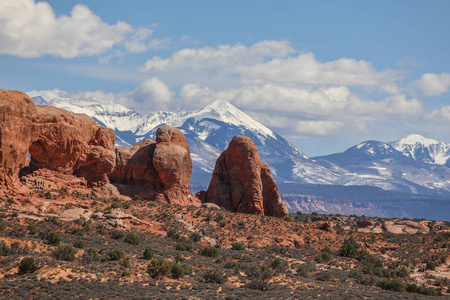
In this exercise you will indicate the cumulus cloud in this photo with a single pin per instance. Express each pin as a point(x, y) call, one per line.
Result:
point(270, 62)
point(48, 95)
point(31, 29)
point(431, 84)
point(223, 56)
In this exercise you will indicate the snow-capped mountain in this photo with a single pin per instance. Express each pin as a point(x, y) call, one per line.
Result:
point(208, 132)
point(413, 164)
point(423, 149)
point(379, 164)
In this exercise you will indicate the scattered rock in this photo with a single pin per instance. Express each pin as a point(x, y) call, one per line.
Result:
point(326, 226)
point(364, 224)
point(241, 183)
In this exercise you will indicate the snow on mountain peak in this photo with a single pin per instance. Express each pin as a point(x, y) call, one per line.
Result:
point(423, 149)
point(413, 139)
point(226, 112)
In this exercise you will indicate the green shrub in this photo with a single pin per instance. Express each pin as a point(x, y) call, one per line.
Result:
point(48, 195)
point(279, 265)
point(158, 268)
point(64, 252)
point(132, 238)
point(177, 271)
point(53, 239)
point(237, 246)
point(210, 251)
point(215, 276)
point(430, 265)
point(195, 237)
point(181, 246)
point(323, 276)
point(90, 256)
point(148, 254)
point(125, 274)
point(350, 248)
point(115, 254)
point(79, 244)
point(260, 280)
point(117, 234)
point(28, 265)
point(222, 223)
point(2, 225)
point(63, 191)
point(101, 229)
point(393, 284)
point(5, 250)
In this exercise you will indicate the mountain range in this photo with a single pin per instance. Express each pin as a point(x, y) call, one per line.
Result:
point(411, 165)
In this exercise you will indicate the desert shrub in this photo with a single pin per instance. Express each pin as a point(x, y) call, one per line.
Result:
point(32, 229)
point(2, 225)
point(325, 256)
point(413, 288)
point(158, 268)
point(393, 284)
point(430, 265)
point(195, 237)
point(115, 254)
point(181, 246)
point(260, 280)
point(177, 271)
point(148, 254)
point(28, 265)
point(64, 252)
point(79, 244)
point(350, 248)
point(132, 238)
point(382, 250)
point(323, 276)
point(48, 195)
point(279, 265)
point(210, 251)
point(101, 229)
point(237, 246)
point(5, 250)
point(117, 234)
point(222, 223)
point(53, 239)
point(125, 274)
point(402, 272)
point(63, 191)
point(215, 276)
point(303, 270)
point(91, 255)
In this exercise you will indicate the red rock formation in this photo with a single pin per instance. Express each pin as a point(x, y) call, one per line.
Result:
point(55, 138)
point(17, 112)
point(72, 144)
point(241, 183)
point(160, 171)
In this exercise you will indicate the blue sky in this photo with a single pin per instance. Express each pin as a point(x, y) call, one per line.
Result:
point(324, 74)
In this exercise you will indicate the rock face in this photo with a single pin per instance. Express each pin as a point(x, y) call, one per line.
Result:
point(17, 113)
point(72, 144)
point(158, 170)
point(56, 139)
point(242, 183)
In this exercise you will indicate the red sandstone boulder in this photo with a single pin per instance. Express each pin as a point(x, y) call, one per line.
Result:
point(55, 138)
point(72, 144)
point(156, 171)
point(17, 113)
point(241, 183)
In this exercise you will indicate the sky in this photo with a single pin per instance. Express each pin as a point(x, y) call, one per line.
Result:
point(326, 75)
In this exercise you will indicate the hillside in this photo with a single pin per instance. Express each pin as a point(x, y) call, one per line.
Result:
point(96, 248)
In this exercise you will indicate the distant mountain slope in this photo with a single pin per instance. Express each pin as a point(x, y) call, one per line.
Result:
point(380, 164)
point(413, 164)
point(423, 149)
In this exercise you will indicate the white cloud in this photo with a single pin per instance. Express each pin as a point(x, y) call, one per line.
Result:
point(431, 84)
point(269, 62)
point(224, 56)
point(192, 96)
point(48, 95)
point(29, 29)
point(440, 115)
